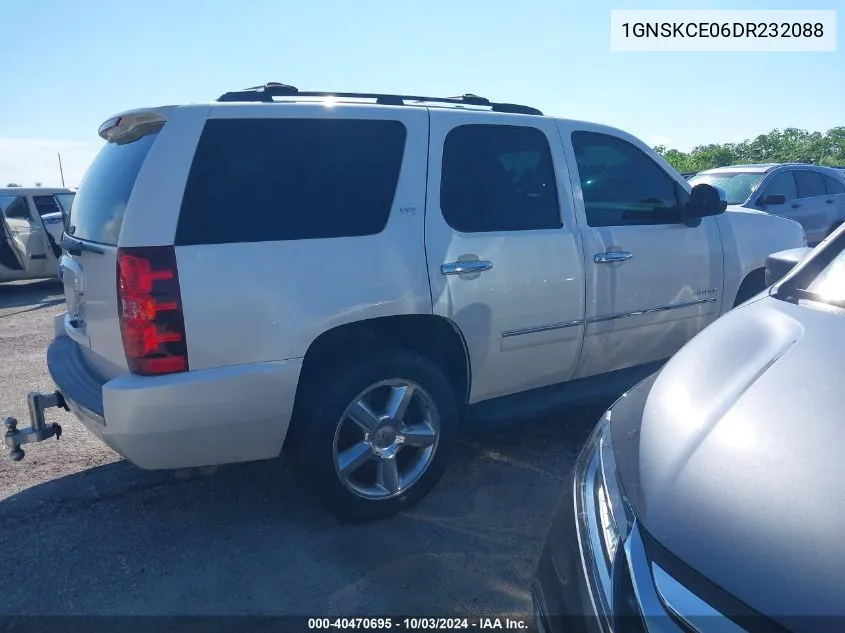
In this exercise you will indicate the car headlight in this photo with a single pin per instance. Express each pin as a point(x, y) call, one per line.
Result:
point(605, 516)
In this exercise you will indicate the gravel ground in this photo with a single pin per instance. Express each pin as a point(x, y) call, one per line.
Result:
point(98, 536)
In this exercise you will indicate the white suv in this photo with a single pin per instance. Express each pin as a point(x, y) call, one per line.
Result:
point(358, 274)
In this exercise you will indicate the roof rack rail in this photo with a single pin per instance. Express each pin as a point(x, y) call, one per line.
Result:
point(266, 93)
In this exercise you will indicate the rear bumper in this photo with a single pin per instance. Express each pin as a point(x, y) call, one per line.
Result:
point(197, 418)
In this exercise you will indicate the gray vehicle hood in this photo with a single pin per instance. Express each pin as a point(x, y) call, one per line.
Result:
point(737, 466)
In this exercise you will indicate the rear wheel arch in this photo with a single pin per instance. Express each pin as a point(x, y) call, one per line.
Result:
point(432, 336)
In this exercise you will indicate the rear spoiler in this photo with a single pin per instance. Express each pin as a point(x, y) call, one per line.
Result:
point(131, 125)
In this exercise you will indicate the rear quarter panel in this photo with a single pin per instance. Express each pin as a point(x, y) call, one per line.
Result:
point(267, 301)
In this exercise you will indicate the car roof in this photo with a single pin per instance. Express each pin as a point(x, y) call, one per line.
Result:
point(763, 168)
point(754, 168)
point(33, 191)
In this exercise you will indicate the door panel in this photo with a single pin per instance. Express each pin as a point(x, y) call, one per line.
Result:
point(652, 282)
point(835, 197)
point(499, 209)
point(646, 308)
point(810, 209)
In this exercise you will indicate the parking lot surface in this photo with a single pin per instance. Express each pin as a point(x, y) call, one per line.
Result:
point(85, 532)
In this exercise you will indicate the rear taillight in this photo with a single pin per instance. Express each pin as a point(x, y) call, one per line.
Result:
point(150, 310)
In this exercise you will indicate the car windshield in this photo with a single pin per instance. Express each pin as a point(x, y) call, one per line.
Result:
point(738, 185)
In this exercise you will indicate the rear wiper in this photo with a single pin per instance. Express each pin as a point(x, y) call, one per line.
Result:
point(75, 246)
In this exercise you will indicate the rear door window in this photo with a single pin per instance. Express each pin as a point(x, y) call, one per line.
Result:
point(832, 185)
point(100, 203)
point(810, 183)
point(498, 178)
point(260, 180)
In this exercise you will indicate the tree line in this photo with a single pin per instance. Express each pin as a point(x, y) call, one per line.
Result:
point(790, 145)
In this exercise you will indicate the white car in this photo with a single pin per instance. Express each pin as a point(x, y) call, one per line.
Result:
point(811, 195)
point(359, 274)
point(31, 221)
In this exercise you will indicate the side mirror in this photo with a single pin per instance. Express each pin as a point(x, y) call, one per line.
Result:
point(779, 264)
point(772, 199)
point(706, 200)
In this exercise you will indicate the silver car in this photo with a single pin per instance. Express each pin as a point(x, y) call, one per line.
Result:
point(710, 496)
point(811, 195)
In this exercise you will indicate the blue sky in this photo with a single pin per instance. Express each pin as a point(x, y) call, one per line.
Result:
point(68, 66)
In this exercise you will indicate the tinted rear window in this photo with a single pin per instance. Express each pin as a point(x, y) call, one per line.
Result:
point(100, 203)
point(258, 180)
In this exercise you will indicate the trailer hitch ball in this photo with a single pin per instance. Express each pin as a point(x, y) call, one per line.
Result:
point(11, 424)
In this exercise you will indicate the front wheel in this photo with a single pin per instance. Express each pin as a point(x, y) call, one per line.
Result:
point(377, 435)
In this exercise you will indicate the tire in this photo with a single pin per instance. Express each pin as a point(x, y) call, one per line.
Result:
point(390, 473)
point(753, 284)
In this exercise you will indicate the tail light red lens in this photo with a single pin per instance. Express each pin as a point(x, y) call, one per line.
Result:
point(150, 309)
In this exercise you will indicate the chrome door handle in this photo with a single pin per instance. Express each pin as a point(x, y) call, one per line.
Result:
point(465, 266)
point(614, 256)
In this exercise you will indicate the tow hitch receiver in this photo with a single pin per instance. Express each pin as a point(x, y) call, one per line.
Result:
point(40, 430)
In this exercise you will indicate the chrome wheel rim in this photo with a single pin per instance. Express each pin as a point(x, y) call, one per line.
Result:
point(386, 439)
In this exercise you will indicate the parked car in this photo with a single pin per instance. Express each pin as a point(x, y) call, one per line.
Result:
point(394, 268)
point(32, 222)
point(811, 195)
point(702, 501)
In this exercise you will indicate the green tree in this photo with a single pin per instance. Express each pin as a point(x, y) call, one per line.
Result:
point(790, 145)
point(12, 184)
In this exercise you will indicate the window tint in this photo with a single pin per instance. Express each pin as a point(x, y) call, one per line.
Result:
point(782, 184)
point(100, 203)
point(259, 180)
point(832, 185)
point(15, 207)
point(46, 204)
point(498, 178)
point(810, 183)
point(621, 184)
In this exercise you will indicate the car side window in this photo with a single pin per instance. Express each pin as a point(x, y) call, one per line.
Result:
point(810, 183)
point(832, 185)
point(621, 184)
point(498, 178)
point(14, 207)
point(46, 204)
point(782, 184)
point(293, 179)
